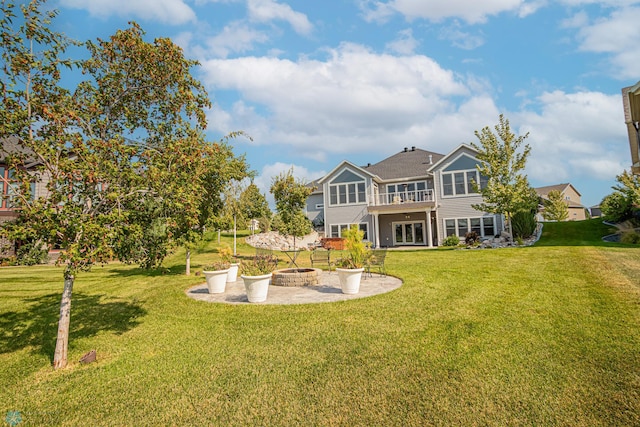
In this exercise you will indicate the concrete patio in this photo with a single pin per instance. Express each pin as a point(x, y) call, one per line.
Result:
point(327, 291)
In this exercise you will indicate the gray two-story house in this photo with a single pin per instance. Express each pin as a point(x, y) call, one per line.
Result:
point(413, 198)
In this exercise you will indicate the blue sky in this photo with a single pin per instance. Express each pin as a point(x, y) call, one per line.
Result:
point(317, 82)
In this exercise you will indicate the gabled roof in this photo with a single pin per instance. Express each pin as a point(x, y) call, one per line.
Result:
point(409, 163)
point(544, 191)
point(451, 155)
point(340, 166)
point(11, 146)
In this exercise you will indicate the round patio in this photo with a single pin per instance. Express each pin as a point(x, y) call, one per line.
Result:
point(327, 291)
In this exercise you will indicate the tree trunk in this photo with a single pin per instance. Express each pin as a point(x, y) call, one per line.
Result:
point(188, 262)
point(62, 342)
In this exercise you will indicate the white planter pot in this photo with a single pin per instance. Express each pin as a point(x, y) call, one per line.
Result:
point(257, 287)
point(232, 276)
point(216, 280)
point(350, 279)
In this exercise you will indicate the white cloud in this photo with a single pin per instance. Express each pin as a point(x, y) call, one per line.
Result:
point(617, 35)
point(577, 135)
point(357, 99)
point(471, 11)
point(459, 38)
point(268, 172)
point(405, 44)
point(269, 10)
point(171, 12)
point(237, 37)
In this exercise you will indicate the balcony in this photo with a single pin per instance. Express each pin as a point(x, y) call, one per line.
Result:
point(405, 198)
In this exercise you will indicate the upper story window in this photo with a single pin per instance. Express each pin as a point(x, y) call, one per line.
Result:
point(409, 191)
point(347, 189)
point(459, 177)
point(7, 179)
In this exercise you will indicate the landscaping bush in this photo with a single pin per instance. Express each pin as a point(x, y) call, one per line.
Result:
point(523, 224)
point(452, 240)
point(471, 238)
point(616, 207)
point(630, 238)
point(31, 254)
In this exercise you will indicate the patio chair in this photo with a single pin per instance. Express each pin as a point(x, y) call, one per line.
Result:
point(320, 257)
point(376, 261)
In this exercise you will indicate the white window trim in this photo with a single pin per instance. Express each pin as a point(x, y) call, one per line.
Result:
point(453, 182)
point(482, 226)
point(346, 185)
point(342, 226)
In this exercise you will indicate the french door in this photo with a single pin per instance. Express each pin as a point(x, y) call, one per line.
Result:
point(408, 233)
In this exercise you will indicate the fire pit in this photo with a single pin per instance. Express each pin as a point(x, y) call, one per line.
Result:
point(296, 277)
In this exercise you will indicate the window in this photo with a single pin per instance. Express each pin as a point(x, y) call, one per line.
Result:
point(347, 189)
point(7, 191)
point(461, 183)
point(484, 226)
point(410, 191)
point(337, 229)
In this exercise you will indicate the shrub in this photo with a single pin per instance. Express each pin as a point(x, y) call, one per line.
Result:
point(471, 238)
point(630, 238)
point(451, 240)
point(616, 207)
point(31, 254)
point(523, 224)
point(260, 265)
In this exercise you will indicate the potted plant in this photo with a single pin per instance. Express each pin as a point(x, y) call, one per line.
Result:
point(216, 276)
point(256, 275)
point(226, 255)
point(351, 266)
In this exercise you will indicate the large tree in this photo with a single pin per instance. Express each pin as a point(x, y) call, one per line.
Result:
point(126, 142)
point(555, 207)
point(503, 157)
point(291, 195)
point(253, 204)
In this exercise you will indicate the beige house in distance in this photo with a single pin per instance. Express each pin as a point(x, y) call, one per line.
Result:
point(631, 104)
point(571, 197)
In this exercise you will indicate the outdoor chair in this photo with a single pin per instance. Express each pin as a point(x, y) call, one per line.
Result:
point(320, 257)
point(376, 261)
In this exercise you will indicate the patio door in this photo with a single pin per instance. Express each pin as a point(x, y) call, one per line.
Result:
point(408, 233)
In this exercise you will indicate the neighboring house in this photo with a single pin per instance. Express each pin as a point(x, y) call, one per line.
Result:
point(413, 198)
point(631, 105)
point(10, 146)
point(571, 196)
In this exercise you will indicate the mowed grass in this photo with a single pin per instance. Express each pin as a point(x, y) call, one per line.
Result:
point(538, 336)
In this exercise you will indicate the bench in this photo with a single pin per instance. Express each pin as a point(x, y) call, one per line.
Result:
point(320, 257)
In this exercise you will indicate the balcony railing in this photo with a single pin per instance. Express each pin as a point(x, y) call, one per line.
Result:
point(416, 196)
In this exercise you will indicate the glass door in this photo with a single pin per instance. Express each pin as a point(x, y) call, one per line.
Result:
point(408, 233)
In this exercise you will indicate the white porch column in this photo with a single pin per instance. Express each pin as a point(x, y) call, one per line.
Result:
point(376, 230)
point(429, 231)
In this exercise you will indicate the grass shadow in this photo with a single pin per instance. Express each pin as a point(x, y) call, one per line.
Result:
point(37, 326)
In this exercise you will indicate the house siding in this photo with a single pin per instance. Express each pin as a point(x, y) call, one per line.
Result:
point(411, 211)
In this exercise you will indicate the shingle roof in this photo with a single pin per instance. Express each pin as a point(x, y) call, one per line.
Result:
point(11, 146)
point(544, 191)
point(410, 162)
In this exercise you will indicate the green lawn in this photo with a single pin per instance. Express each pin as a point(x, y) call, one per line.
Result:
point(540, 336)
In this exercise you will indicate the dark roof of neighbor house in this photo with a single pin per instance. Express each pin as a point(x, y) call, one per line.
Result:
point(11, 146)
point(408, 163)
